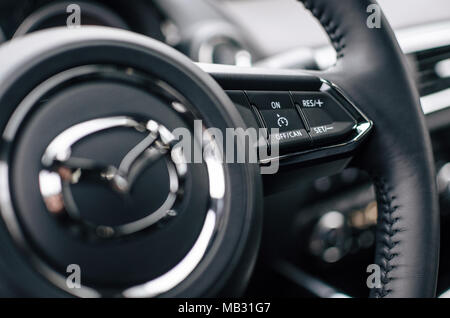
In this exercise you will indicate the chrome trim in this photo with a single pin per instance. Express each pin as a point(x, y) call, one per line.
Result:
point(216, 69)
point(362, 130)
point(177, 274)
point(424, 37)
point(443, 68)
point(436, 101)
point(59, 174)
point(445, 294)
point(307, 281)
point(60, 147)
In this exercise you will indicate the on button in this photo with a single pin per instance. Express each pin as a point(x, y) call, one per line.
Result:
point(270, 100)
point(278, 111)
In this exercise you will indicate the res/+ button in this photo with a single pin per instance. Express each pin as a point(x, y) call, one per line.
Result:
point(328, 121)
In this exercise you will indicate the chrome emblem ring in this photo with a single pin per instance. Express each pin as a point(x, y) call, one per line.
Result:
point(62, 170)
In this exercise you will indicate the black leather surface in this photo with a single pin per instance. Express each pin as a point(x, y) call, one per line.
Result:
point(373, 72)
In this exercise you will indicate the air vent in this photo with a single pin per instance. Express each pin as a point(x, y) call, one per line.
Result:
point(431, 76)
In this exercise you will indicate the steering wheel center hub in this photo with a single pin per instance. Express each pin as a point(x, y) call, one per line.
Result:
point(112, 196)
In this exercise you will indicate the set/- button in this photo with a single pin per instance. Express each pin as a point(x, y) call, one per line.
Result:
point(327, 134)
point(328, 121)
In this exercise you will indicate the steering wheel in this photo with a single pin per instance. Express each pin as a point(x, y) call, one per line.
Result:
point(95, 201)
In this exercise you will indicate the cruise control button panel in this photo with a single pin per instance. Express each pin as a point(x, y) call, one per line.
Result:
point(328, 121)
point(305, 124)
point(278, 112)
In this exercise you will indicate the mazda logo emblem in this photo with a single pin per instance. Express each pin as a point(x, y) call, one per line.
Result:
point(63, 170)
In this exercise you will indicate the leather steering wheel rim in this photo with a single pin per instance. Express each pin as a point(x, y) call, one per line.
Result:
point(373, 72)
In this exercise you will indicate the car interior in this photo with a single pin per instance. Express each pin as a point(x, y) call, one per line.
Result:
point(348, 195)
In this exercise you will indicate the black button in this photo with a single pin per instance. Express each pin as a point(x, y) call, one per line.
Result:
point(240, 101)
point(291, 140)
point(278, 111)
point(284, 119)
point(328, 121)
point(327, 134)
point(238, 97)
point(291, 131)
point(270, 100)
point(251, 118)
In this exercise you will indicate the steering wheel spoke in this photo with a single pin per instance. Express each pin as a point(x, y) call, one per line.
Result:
point(308, 117)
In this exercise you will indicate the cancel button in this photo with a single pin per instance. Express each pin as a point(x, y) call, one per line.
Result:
point(292, 140)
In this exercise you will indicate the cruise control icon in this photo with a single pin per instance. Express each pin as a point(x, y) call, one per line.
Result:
point(282, 121)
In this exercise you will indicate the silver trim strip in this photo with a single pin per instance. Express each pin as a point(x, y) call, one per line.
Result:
point(121, 179)
point(178, 273)
point(443, 68)
point(59, 148)
point(306, 281)
point(435, 102)
point(424, 37)
point(445, 294)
